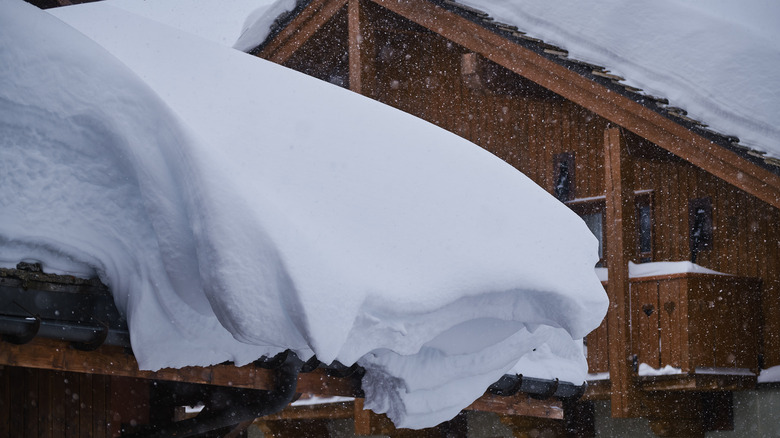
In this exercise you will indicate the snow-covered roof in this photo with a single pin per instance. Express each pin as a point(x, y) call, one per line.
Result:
point(709, 65)
point(706, 63)
point(237, 209)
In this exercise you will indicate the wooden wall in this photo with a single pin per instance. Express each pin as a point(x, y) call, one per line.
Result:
point(56, 404)
point(420, 72)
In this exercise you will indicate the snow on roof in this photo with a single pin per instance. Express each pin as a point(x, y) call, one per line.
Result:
point(234, 23)
point(237, 209)
point(718, 60)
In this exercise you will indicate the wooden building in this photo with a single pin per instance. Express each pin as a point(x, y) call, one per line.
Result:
point(681, 191)
point(653, 184)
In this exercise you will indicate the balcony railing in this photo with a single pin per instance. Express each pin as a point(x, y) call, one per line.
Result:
point(695, 322)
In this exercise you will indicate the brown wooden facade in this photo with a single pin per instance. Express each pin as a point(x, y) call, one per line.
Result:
point(426, 60)
point(58, 404)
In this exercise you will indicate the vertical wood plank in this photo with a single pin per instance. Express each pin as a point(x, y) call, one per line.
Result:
point(99, 408)
point(45, 406)
point(58, 404)
point(620, 214)
point(598, 349)
point(645, 322)
point(114, 420)
point(688, 311)
point(16, 402)
point(71, 402)
point(30, 402)
point(362, 54)
point(669, 308)
point(85, 406)
point(5, 401)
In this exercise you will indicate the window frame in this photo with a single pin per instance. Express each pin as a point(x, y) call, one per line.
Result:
point(643, 198)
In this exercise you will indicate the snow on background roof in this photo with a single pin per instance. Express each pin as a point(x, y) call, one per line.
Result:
point(237, 209)
point(240, 24)
point(719, 60)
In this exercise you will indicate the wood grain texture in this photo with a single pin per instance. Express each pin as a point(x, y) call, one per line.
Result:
point(619, 217)
point(300, 29)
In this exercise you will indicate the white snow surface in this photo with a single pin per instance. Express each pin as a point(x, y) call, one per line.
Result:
point(719, 60)
point(241, 24)
point(770, 375)
point(667, 370)
point(653, 269)
point(237, 209)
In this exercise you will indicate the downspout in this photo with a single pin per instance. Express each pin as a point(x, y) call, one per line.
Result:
point(270, 402)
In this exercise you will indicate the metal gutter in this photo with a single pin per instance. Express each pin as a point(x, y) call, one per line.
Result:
point(20, 330)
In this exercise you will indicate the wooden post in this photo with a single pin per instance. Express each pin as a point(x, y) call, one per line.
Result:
point(362, 419)
point(621, 244)
point(362, 68)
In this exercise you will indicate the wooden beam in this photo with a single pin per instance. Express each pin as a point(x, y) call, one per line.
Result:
point(114, 361)
point(597, 98)
point(519, 404)
point(362, 52)
point(619, 215)
point(300, 29)
point(698, 382)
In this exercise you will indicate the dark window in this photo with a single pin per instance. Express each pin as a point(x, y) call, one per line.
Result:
point(700, 226)
point(564, 177)
point(644, 225)
point(592, 212)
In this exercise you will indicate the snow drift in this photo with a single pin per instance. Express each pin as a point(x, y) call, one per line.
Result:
point(237, 209)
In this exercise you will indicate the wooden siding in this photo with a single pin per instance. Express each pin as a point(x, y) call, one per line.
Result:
point(57, 404)
point(419, 72)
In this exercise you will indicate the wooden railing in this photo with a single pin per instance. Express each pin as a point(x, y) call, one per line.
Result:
point(689, 321)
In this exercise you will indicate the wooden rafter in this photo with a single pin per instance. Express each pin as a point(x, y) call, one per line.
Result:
point(597, 98)
point(362, 54)
point(114, 361)
point(300, 29)
point(518, 404)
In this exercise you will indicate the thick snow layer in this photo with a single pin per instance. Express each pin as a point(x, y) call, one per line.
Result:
point(719, 60)
point(237, 209)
